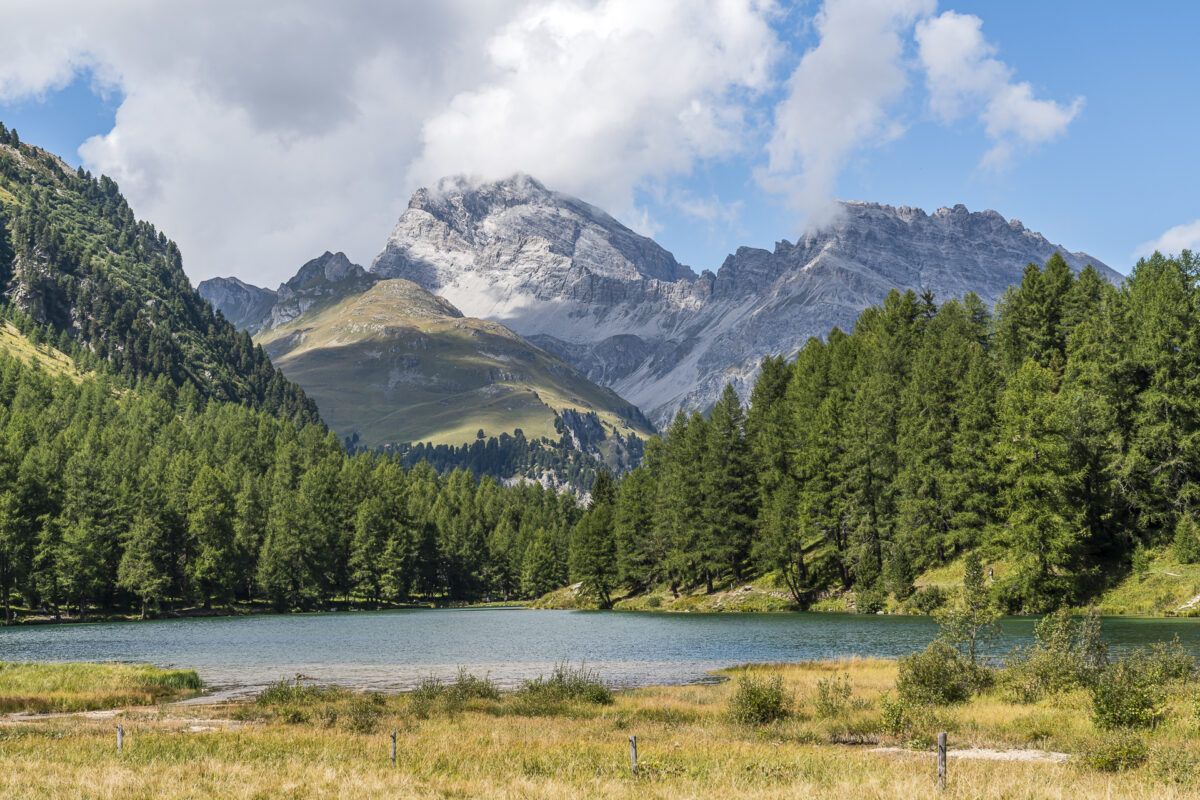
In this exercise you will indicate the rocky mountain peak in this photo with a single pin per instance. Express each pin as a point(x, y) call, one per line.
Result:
point(327, 268)
point(619, 307)
point(518, 231)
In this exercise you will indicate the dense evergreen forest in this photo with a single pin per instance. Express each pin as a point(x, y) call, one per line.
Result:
point(153, 497)
point(1058, 433)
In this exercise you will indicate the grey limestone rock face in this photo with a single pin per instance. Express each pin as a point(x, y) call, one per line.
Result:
point(243, 304)
point(323, 281)
point(621, 309)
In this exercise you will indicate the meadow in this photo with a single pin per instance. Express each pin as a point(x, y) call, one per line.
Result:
point(566, 736)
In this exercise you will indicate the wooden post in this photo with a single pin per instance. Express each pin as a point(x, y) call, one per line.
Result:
point(120, 738)
point(393, 748)
point(633, 754)
point(941, 760)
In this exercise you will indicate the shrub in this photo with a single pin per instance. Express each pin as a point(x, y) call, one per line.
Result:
point(569, 683)
point(938, 675)
point(1169, 662)
point(896, 714)
point(422, 698)
point(759, 701)
point(1066, 654)
point(363, 714)
point(1127, 694)
point(868, 601)
point(926, 600)
point(654, 601)
point(467, 687)
point(1116, 753)
point(833, 695)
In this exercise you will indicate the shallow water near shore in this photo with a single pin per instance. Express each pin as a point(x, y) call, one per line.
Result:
point(393, 650)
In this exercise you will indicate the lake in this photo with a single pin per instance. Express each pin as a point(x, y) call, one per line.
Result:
point(392, 650)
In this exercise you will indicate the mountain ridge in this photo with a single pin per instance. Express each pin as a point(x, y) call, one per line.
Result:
point(656, 332)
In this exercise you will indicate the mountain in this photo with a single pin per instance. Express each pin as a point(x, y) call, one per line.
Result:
point(81, 271)
point(615, 305)
point(391, 363)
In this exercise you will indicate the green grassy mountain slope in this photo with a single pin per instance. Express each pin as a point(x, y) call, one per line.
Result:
point(78, 267)
point(396, 364)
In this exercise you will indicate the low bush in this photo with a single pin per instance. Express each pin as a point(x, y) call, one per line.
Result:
point(833, 696)
point(1170, 662)
point(759, 700)
point(471, 687)
point(423, 697)
point(1128, 694)
point(926, 600)
point(568, 683)
point(1115, 753)
point(1066, 654)
point(938, 675)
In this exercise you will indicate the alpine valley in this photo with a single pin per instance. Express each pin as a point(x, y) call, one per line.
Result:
point(556, 292)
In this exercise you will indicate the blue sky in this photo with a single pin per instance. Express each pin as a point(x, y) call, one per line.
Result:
point(690, 120)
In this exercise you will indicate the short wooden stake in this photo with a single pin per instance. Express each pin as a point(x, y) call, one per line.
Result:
point(941, 760)
point(120, 738)
point(633, 754)
point(393, 748)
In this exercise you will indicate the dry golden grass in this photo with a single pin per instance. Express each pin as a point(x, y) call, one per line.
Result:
point(687, 747)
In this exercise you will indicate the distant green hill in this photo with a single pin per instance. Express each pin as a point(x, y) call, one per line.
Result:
point(395, 364)
point(79, 271)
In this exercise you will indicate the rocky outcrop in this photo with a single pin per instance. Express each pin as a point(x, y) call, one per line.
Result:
point(620, 308)
point(241, 303)
point(320, 283)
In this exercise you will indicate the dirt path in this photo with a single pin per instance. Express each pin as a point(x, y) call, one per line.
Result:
point(982, 754)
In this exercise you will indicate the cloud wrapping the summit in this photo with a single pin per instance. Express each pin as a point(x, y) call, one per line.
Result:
point(260, 134)
point(598, 99)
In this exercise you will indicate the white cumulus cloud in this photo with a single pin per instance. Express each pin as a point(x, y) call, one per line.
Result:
point(840, 99)
point(1173, 241)
point(963, 76)
point(597, 99)
point(260, 134)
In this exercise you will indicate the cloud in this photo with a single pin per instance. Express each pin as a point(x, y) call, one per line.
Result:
point(596, 100)
point(1173, 241)
point(839, 99)
point(258, 135)
point(963, 77)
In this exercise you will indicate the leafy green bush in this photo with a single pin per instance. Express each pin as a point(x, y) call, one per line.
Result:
point(1170, 662)
point(759, 701)
point(898, 715)
point(938, 675)
point(833, 695)
point(868, 601)
point(468, 687)
point(1115, 753)
point(1066, 654)
point(1128, 694)
point(926, 600)
point(422, 699)
point(568, 683)
point(362, 715)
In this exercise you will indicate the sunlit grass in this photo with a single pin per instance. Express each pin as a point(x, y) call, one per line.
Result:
point(26, 687)
point(487, 746)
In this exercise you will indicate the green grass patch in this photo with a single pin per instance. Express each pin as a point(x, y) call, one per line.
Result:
point(39, 688)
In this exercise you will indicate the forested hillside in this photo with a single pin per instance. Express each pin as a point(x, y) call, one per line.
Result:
point(155, 498)
point(1059, 433)
point(90, 278)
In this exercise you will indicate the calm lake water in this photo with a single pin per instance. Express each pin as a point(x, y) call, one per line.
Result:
point(392, 650)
